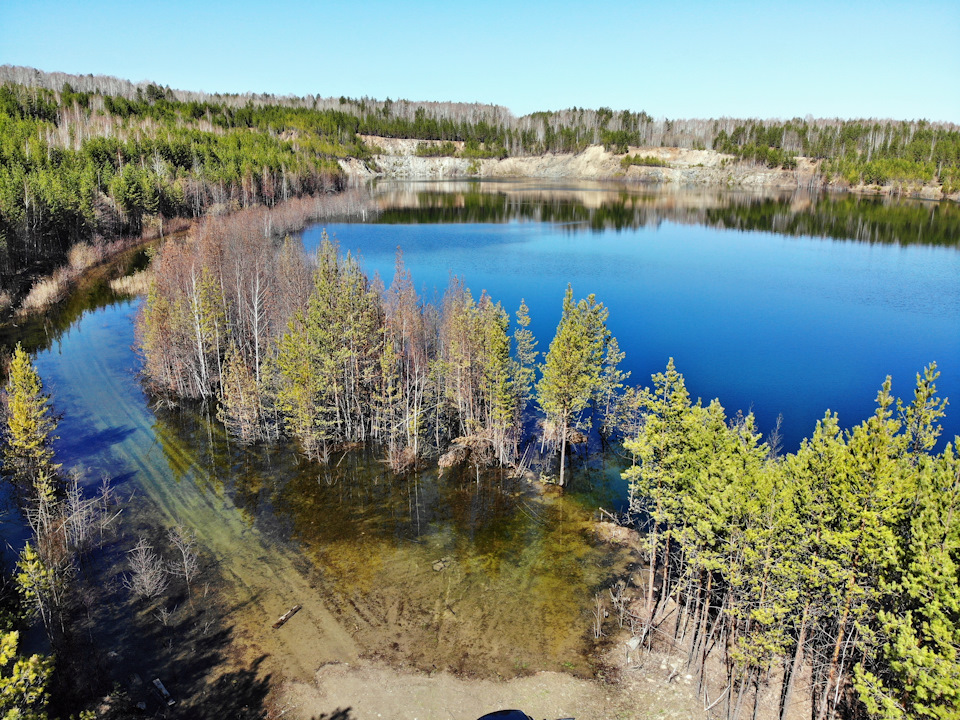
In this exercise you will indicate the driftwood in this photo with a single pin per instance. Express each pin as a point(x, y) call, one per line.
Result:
point(403, 461)
point(551, 434)
point(286, 616)
point(456, 455)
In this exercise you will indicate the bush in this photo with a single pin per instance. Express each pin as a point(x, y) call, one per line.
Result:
point(45, 292)
point(444, 149)
point(83, 255)
point(645, 160)
point(481, 151)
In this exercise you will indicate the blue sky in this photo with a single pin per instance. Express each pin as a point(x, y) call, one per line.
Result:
point(672, 59)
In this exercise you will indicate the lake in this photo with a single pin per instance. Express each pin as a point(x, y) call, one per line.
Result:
point(780, 304)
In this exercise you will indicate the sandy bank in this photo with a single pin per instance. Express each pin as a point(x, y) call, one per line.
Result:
point(373, 690)
point(683, 167)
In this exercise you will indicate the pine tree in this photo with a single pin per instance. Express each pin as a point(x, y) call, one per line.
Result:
point(571, 370)
point(525, 352)
point(23, 681)
point(240, 404)
point(916, 672)
point(661, 461)
point(29, 427)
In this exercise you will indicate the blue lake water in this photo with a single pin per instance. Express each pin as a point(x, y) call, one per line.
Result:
point(773, 323)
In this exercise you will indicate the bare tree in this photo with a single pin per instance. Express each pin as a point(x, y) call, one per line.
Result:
point(187, 565)
point(148, 576)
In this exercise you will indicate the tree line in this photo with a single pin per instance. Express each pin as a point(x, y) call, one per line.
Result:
point(78, 167)
point(857, 151)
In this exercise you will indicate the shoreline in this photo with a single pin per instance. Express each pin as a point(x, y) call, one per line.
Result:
point(681, 168)
point(52, 289)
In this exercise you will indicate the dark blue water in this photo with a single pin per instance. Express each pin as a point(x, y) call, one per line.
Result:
point(776, 324)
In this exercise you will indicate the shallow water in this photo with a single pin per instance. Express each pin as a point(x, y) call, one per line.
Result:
point(352, 543)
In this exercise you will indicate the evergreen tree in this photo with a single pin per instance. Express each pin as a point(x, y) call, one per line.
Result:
point(240, 405)
point(29, 426)
point(572, 368)
point(525, 351)
point(23, 681)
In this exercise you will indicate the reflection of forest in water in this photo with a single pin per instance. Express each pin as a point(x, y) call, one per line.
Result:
point(435, 570)
point(603, 207)
point(580, 207)
point(93, 292)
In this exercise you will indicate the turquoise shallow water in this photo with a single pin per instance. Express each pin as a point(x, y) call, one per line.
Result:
point(351, 542)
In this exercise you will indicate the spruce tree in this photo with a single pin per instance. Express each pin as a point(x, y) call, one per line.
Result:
point(23, 681)
point(29, 426)
point(572, 368)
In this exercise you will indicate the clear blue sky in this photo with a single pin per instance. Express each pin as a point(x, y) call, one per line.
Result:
point(673, 59)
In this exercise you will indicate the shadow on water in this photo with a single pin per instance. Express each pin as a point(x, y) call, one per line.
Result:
point(118, 644)
point(98, 441)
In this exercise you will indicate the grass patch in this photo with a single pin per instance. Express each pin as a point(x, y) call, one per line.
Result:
point(136, 284)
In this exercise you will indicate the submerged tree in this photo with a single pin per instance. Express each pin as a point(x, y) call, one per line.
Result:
point(573, 367)
point(328, 361)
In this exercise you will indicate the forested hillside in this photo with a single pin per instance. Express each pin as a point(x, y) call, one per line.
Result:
point(78, 166)
point(94, 158)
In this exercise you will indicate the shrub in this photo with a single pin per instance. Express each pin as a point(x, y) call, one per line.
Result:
point(645, 160)
point(83, 255)
point(45, 292)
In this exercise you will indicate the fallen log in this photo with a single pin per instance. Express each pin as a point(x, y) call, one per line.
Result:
point(286, 616)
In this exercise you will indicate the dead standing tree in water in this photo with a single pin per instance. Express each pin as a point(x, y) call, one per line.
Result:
point(187, 564)
point(148, 577)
